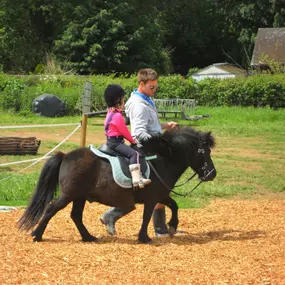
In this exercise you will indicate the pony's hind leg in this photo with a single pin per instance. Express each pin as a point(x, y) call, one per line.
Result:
point(76, 216)
point(60, 203)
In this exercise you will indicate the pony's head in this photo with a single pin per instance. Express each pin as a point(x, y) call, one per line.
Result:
point(204, 164)
point(186, 147)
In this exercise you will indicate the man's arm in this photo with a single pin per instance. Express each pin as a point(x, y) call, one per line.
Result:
point(139, 118)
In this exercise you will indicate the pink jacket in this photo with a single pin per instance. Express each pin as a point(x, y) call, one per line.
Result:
point(117, 126)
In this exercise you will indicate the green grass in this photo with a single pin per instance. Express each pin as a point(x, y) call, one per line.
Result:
point(249, 155)
point(17, 188)
point(260, 132)
point(248, 122)
point(10, 119)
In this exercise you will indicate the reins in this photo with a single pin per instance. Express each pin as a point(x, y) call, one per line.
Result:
point(186, 180)
point(171, 190)
point(186, 194)
point(158, 176)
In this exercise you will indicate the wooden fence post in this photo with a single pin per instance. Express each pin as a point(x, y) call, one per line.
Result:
point(83, 130)
point(86, 106)
point(86, 97)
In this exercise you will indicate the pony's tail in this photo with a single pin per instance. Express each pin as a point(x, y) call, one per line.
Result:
point(43, 194)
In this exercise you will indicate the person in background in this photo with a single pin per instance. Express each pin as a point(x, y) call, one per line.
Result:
point(144, 120)
point(116, 131)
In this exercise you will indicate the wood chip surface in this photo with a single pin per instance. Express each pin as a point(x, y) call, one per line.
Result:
point(227, 242)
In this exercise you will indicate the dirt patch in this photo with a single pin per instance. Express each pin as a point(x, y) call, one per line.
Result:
point(247, 153)
point(245, 148)
point(57, 135)
point(228, 242)
point(261, 195)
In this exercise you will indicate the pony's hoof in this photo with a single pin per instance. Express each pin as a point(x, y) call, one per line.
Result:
point(90, 239)
point(37, 239)
point(146, 240)
point(171, 232)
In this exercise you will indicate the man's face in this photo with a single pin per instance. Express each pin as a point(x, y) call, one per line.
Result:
point(149, 88)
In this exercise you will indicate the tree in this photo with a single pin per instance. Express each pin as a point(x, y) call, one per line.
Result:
point(28, 30)
point(192, 31)
point(19, 40)
point(110, 38)
point(242, 18)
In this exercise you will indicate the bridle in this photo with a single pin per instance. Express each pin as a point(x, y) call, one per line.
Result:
point(201, 150)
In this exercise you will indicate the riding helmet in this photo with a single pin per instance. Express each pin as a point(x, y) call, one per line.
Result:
point(113, 94)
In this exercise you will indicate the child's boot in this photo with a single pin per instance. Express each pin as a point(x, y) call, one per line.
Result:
point(138, 180)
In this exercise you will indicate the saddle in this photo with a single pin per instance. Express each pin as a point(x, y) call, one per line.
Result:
point(120, 165)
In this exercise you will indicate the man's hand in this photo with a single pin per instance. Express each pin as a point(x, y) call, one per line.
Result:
point(172, 125)
point(169, 125)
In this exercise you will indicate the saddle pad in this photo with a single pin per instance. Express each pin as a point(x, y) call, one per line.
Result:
point(120, 178)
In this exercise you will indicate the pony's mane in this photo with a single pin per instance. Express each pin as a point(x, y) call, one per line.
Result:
point(179, 141)
point(185, 136)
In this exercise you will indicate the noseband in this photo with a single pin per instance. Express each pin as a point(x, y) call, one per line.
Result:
point(204, 168)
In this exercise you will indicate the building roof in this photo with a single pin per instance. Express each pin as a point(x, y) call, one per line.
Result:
point(269, 44)
point(223, 68)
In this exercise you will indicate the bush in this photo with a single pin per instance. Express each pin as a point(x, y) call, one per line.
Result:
point(12, 95)
point(18, 93)
point(175, 86)
point(257, 91)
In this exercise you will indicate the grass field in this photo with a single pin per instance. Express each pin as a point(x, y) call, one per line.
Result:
point(249, 155)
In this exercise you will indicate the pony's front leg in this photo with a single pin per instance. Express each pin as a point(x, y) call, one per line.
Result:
point(173, 223)
point(143, 236)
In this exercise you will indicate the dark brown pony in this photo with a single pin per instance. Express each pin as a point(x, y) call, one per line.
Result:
point(83, 176)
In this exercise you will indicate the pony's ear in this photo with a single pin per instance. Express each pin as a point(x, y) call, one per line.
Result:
point(209, 138)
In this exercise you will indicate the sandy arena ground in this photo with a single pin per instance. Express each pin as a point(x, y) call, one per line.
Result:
point(228, 242)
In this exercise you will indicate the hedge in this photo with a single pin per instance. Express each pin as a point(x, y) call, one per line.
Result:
point(18, 92)
point(257, 91)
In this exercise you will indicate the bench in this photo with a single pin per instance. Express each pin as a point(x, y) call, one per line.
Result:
point(177, 114)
